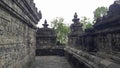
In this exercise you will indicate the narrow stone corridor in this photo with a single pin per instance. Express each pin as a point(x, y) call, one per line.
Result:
point(52, 62)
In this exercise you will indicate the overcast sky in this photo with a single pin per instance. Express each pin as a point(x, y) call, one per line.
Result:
point(66, 8)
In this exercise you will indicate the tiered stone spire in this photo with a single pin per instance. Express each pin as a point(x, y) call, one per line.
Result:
point(75, 31)
point(76, 26)
point(76, 19)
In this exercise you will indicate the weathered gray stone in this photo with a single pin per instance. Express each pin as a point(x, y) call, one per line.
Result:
point(52, 62)
point(46, 37)
point(102, 41)
point(17, 33)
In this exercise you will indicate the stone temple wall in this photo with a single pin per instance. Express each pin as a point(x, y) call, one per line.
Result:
point(104, 38)
point(99, 47)
point(17, 33)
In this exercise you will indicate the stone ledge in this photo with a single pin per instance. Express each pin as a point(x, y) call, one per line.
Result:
point(92, 60)
point(29, 19)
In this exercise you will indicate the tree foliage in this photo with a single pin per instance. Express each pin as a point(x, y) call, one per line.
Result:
point(61, 29)
point(100, 11)
point(86, 23)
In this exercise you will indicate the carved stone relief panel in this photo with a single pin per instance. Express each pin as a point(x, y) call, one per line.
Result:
point(99, 41)
point(116, 42)
point(108, 43)
point(11, 29)
point(3, 24)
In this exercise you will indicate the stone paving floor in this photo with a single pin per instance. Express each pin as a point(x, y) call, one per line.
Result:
point(52, 62)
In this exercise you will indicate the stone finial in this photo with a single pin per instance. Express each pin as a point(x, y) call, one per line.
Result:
point(76, 19)
point(45, 24)
point(45, 21)
point(40, 14)
point(75, 16)
point(117, 2)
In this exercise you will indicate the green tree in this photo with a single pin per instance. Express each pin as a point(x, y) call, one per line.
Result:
point(89, 25)
point(100, 12)
point(61, 29)
point(86, 23)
